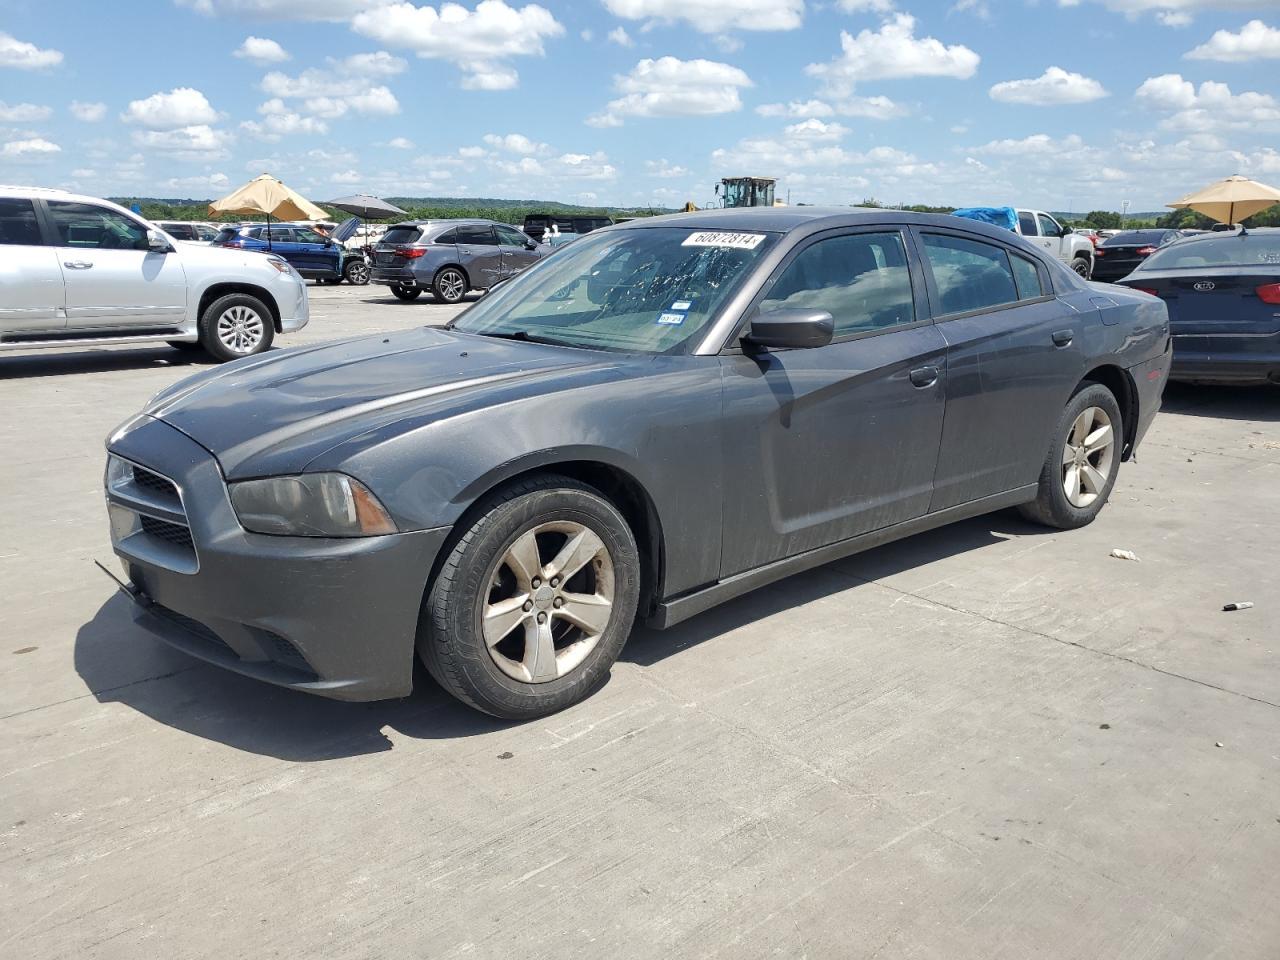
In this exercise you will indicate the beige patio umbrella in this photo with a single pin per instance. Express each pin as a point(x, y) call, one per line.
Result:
point(1230, 200)
point(266, 194)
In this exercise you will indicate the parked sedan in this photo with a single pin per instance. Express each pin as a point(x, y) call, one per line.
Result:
point(1223, 295)
point(450, 257)
point(1117, 256)
point(658, 418)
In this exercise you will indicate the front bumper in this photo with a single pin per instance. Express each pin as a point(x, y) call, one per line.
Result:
point(295, 308)
point(336, 617)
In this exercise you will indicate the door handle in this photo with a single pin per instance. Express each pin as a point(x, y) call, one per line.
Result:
point(924, 376)
point(1062, 338)
point(77, 264)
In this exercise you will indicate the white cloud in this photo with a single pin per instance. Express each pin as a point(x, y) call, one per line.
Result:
point(892, 52)
point(33, 147)
point(343, 86)
point(714, 16)
point(1174, 19)
point(282, 122)
point(1255, 41)
point(976, 8)
point(1038, 144)
point(514, 143)
point(620, 36)
point(796, 108)
point(198, 141)
point(1053, 87)
point(472, 153)
point(664, 170)
point(1179, 11)
point(870, 108)
point(400, 143)
point(88, 112)
point(217, 182)
point(180, 107)
point(281, 9)
point(668, 87)
point(1212, 107)
point(477, 41)
point(26, 56)
point(816, 131)
point(23, 112)
point(261, 51)
point(866, 6)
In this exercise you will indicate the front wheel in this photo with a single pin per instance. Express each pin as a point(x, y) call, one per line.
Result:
point(1084, 458)
point(450, 285)
point(1082, 266)
point(534, 602)
point(405, 293)
point(236, 326)
point(357, 272)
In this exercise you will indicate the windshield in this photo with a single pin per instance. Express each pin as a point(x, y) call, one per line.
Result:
point(1235, 250)
point(647, 290)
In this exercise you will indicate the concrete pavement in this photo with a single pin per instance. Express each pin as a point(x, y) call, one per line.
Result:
point(990, 741)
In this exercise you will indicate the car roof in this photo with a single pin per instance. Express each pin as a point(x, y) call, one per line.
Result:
point(786, 219)
point(1220, 234)
point(438, 220)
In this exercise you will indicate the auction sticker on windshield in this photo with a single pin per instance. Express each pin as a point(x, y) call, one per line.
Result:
point(718, 238)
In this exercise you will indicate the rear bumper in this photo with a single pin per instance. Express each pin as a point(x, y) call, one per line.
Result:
point(1243, 368)
point(400, 276)
point(1103, 270)
point(1149, 379)
point(335, 617)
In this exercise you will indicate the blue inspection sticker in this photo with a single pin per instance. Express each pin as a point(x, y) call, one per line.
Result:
point(671, 319)
point(681, 305)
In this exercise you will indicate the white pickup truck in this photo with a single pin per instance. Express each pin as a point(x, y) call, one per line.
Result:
point(1073, 249)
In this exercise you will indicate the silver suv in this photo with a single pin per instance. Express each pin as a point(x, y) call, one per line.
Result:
point(450, 257)
point(79, 271)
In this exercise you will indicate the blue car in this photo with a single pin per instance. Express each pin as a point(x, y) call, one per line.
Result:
point(312, 254)
point(1223, 295)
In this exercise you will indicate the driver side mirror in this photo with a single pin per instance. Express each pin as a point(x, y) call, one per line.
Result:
point(791, 328)
point(531, 245)
point(156, 242)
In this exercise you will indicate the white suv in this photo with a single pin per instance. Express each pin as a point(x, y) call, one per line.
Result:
point(78, 271)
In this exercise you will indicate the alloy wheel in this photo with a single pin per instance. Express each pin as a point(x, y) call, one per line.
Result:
point(549, 599)
point(358, 273)
point(1087, 457)
point(451, 285)
point(240, 329)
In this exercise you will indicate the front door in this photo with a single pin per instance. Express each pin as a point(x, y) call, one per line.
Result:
point(479, 254)
point(516, 254)
point(827, 443)
point(112, 278)
point(1013, 356)
point(314, 254)
point(31, 292)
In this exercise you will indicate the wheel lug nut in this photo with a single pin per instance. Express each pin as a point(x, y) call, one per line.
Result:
point(537, 582)
point(542, 618)
point(528, 605)
point(555, 581)
point(559, 602)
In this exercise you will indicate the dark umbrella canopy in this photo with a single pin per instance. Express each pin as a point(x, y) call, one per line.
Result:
point(370, 208)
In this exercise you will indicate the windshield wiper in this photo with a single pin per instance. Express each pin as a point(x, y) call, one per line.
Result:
point(524, 336)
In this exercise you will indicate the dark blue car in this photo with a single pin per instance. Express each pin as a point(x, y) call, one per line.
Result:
point(1223, 295)
point(312, 254)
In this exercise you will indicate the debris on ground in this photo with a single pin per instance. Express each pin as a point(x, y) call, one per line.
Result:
point(1241, 605)
point(1218, 743)
point(1124, 554)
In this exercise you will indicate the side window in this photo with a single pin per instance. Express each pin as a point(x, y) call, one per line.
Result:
point(1027, 224)
point(449, 236)
point(478, 234)
point(204, 233)
point(1048, 226)
point(88, 226)
point(862, 280)
point(1027, 277)
point(18, 226)
point(969, 274)
point(305, 235)
point(510, 238)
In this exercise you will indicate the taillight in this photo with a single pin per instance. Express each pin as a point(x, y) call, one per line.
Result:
point(1145, 251)
point(411, 253)
point(1154, 293)
point(231, 243)
point(1269, 293)
point(1100, 252)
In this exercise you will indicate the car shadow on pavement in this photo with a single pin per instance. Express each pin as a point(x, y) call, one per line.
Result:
point(121, 663)
point(1260, 403)
point(30, 365)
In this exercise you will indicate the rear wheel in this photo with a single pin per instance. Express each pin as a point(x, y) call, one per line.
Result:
point(450, 285)
point(1082, 266)
point(533, 604)
point(1084, 458)
point(406, 293)
point(236, 326)
point(357, 272)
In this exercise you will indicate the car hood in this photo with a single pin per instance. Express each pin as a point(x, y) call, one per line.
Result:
point(275, 413)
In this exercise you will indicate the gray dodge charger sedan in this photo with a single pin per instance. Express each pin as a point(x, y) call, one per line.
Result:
point(664, 415)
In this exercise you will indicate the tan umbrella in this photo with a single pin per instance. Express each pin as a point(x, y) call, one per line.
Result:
point(266, 194)
point(1231, 200)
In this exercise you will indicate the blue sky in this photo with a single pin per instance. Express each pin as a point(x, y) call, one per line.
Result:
point(1061, 104)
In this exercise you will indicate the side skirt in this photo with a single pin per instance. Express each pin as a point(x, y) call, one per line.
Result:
point(673, 611)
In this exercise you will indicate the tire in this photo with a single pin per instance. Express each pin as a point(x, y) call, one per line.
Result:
point(406, 293)
point(1053, 506)
point(356, 272)
point(450, 285)
point(217, 323)
point(509, 674)
point(1082, 266)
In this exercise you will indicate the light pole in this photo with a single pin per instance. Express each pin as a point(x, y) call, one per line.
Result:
point(1124, 210)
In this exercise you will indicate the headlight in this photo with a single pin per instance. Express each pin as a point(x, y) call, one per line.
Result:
point(310, 505)
point(279, 263)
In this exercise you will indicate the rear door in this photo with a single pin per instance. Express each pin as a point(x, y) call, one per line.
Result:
point(1013, 356)
point(32, 298)
point(827, 443)
point(111, 277)
point(1050, 234)
point(480, 254)
point(516, 254)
